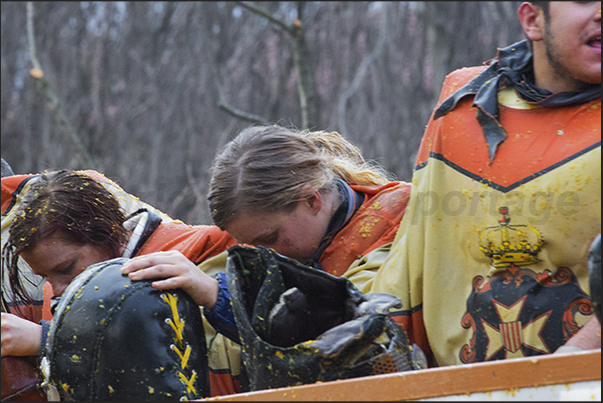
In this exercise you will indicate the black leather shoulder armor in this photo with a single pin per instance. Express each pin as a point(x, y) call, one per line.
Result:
point(116, 339)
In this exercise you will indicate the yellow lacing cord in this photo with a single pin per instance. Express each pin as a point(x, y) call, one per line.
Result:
point(190, 387)
point(183, 357)
point(177, 326)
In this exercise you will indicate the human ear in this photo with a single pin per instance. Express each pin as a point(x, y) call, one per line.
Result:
point(312, 199)
point(531, 18)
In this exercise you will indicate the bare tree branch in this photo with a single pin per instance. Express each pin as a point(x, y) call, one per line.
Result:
point(30, 37)
point(193, 183)
point(301, 63)
point(306, 85)
point(80, 150)
point(360, 73)
point(251, 117)
point(253, 8)
point(223, 104)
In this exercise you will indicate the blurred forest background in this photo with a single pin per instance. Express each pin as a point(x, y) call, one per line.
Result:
point(148, 92)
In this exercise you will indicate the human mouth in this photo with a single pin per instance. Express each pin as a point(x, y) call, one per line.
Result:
point(595, 42)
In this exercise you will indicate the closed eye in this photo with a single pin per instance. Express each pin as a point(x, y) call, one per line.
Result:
point(269, 239)
point(65, 271)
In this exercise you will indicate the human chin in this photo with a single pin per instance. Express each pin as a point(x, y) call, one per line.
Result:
point(591, 76)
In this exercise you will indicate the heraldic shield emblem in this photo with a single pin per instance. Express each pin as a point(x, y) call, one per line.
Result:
point(517, 311)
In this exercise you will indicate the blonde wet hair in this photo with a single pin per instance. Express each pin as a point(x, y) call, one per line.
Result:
point(267, 168)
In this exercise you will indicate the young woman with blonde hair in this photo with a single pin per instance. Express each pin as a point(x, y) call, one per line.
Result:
point(309, 195)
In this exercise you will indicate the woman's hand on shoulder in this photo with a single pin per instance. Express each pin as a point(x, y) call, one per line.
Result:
point(177, 272)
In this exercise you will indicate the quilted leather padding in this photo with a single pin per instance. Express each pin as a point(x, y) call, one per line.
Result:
point(115, 339)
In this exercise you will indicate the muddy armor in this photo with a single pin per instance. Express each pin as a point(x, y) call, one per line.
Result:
point(300, 325)
point(116, 339)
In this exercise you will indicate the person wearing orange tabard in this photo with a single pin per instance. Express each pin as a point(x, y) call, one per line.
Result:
point(146, 231)
point(492, 251)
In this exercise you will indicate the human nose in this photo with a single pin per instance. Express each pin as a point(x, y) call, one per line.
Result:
point(57, 288)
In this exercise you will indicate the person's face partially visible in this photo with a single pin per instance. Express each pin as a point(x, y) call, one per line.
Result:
point(573, 40)
point(295, 234)
point(59, 261)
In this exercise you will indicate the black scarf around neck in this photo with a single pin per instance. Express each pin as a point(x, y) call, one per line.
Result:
point(351, 201)
point(513, 66)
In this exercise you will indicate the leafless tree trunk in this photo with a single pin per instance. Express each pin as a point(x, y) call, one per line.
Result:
point(306, 83)
point(53, 102)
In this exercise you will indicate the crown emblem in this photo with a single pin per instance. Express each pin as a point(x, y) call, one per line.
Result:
point(507, 244)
